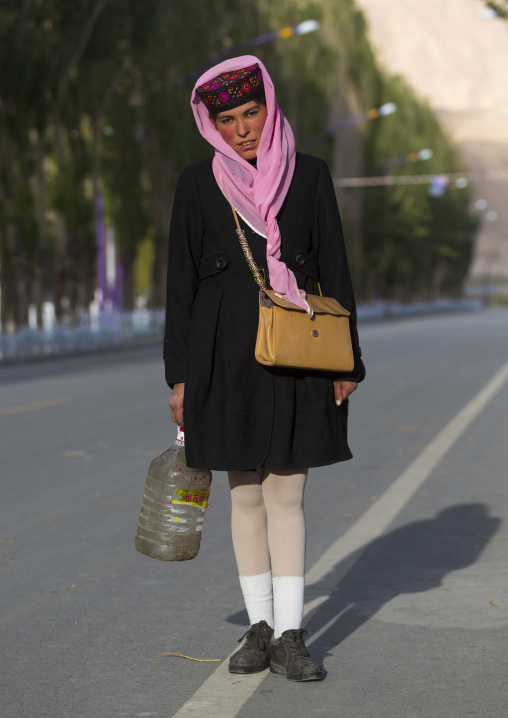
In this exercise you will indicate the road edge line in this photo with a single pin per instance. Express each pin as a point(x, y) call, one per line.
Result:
point(211, 699)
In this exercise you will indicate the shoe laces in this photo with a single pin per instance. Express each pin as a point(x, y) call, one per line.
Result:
point(296, 641)
point(256, 632)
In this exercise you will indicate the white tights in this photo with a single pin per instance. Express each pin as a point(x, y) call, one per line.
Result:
point(268, 529)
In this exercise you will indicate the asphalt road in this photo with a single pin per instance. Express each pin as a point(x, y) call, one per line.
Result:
point(413, 625)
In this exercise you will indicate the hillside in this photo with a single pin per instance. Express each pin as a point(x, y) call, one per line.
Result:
point(457, 60)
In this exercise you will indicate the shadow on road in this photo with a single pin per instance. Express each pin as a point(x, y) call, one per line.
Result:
point(413, 558)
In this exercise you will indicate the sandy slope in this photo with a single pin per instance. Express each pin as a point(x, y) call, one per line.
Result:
point(458, 61)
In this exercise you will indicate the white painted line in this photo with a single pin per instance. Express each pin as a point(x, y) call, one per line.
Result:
point(327, 625)
point(379, 516)
point(224, 694)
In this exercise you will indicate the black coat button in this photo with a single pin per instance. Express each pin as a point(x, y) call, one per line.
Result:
point(220, 263)
point(300, 259)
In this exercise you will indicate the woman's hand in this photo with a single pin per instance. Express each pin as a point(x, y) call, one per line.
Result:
point(342, 389)
point(176, 403)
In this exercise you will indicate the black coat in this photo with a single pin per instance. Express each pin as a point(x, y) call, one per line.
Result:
point(239, 414)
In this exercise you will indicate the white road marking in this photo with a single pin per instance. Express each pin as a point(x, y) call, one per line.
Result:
point(327, 625)
point(379, 516)
point(224, 694)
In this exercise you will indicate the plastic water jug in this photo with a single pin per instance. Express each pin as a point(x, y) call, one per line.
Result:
point(173, 506)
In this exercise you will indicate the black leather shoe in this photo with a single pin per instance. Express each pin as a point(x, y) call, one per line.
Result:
point(254, 655)
point(290, 658)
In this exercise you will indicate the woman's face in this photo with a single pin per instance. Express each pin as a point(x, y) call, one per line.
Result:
point(242, 126)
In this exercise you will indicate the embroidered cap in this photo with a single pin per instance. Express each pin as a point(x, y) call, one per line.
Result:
point(232, 89)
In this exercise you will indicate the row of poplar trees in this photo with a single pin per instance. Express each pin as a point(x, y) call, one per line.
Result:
point(91, 99)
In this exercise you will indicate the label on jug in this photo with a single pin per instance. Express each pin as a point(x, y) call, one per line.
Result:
point(180, 437)
point(192, 497)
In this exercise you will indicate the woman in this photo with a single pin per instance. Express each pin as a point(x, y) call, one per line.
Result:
point(264, 426)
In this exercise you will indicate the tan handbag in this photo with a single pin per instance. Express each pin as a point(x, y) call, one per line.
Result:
point(292, 337)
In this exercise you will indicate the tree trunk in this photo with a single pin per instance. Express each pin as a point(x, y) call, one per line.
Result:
point(19, 281)
point(159, 272)
point(40, 212)
point(128, 259)
point(61, 262)
point(160, 174)
point(8, 294)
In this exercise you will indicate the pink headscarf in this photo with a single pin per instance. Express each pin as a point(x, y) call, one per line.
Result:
point(256, 194)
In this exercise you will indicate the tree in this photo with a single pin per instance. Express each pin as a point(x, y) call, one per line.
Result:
point(410, 238)
point(500, 7)
point(92, 109)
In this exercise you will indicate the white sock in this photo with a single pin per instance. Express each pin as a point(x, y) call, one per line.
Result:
point(287, 603)
point(258, 597)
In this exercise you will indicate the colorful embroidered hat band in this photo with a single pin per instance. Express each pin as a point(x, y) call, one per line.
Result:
point(232, 89)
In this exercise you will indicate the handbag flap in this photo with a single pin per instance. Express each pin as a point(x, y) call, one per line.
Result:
point(320, 305)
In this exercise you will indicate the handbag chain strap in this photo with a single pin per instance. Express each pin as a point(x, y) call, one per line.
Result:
point(248, 254)
point(250, 259)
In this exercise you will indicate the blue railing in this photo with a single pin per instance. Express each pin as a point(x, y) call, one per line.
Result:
point(122, 328)
point(93, 332)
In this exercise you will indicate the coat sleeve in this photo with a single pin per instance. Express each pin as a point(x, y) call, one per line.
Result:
point(185, 242)
point(333, 265)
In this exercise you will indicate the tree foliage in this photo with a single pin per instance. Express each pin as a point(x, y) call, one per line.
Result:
point(500, 7)
point(414, 244)
point(91, 105)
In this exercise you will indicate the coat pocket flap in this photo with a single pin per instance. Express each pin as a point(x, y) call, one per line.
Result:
point(213, 264)
point(320, 305)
